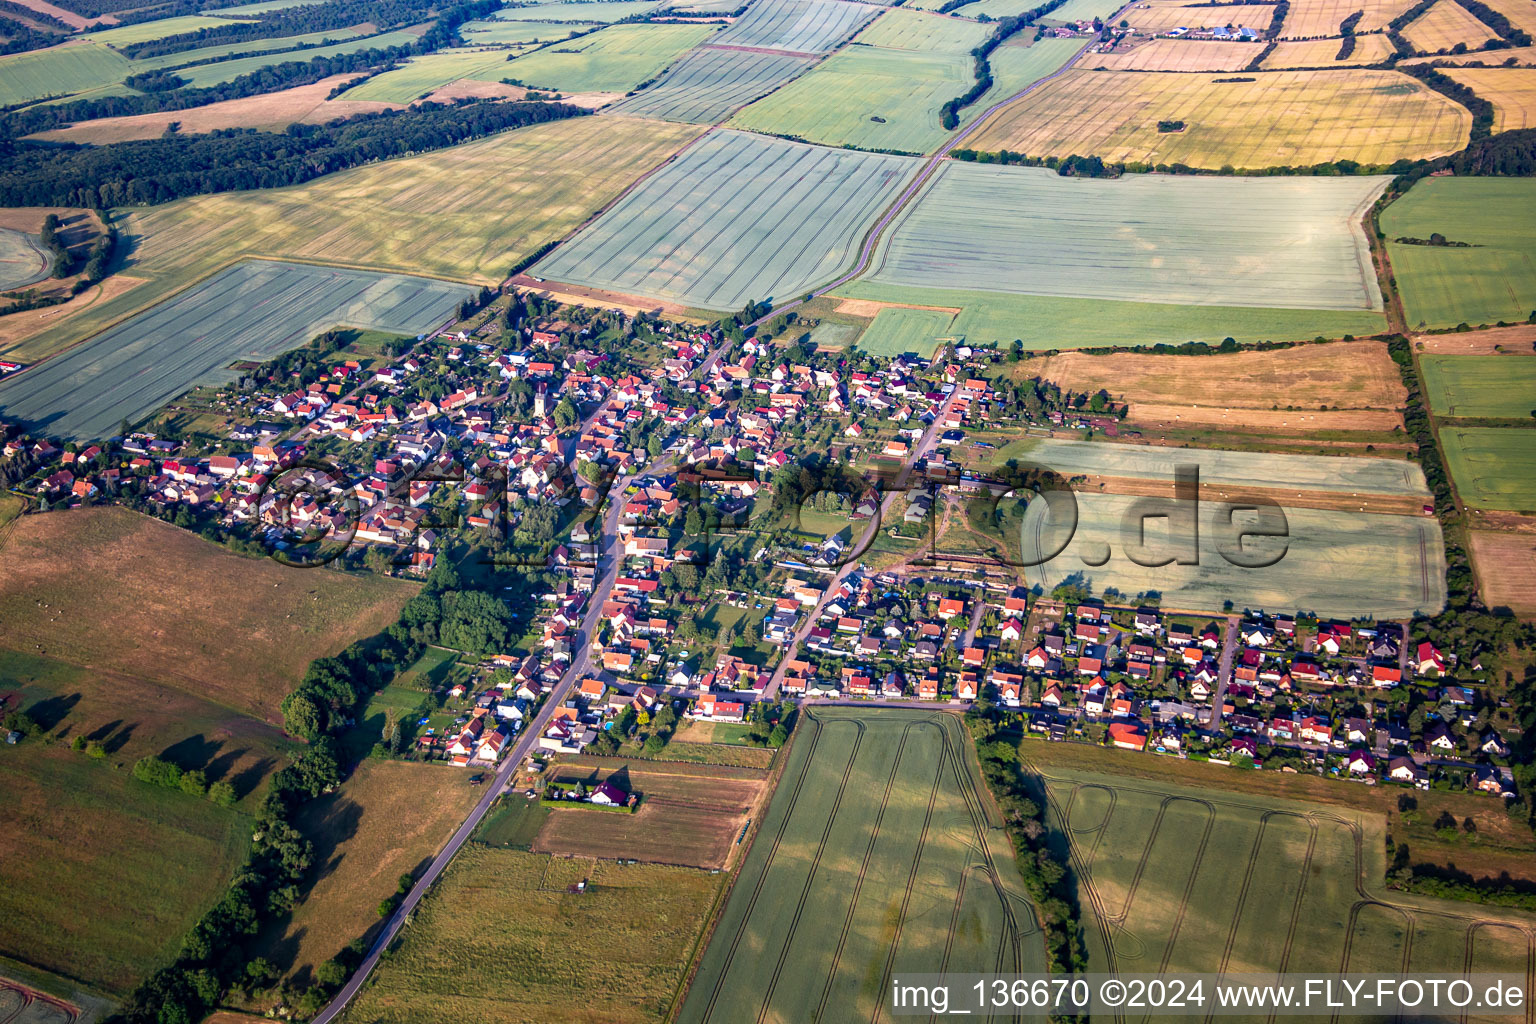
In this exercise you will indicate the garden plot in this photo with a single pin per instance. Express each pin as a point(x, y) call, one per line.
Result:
point(1332, 563)
point(1488, 280)
point(706, 85)
point(254, 310)
point(797, 26)
point(736, 218)
point(1297, 243)
point(1263, 119)
point(878, 856)
point(1494, 468)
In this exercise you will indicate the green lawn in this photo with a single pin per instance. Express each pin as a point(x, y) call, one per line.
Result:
point(1493, 279)
point(1494, 468)
point(1480, 387)
point(897, 331)
point(615, 59)
point(513, 823)
point(1045, 322)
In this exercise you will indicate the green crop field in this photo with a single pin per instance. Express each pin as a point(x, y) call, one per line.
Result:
point(897, 331)
point(1078, 10)
point(1045, 322)
point(59, 70)
point(227, 70)
point(510, 194)
point(1265, 119)
point(1493, 279)
point(497, 30)
point(250, 10)
point(799, 26)
point(146, 30)
point(706, 85)
point(891, 98)
point(1480, 386)
point(1493, 468)
point(23, 260)
point(1299, 242)
point(878, 856)
point(781, 217)
point(186, 57)
point(421, 75)
point(900, 28)
point(1347, 564)
point(592, 12)
point(254, 310)
point(1178, 878)
point(615, 59)
point(501, 939)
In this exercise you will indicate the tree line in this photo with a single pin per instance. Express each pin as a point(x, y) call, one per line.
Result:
point(291, 21)
point(949, 114)
point(158, 170)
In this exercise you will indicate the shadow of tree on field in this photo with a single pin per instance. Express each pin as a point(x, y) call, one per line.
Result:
point(50, 711)
point(332, 825)
point(194, 752)
point(250, 777)
point(225, 763)
point(118, 740)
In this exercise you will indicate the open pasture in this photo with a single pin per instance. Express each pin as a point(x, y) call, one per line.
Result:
point(1349, 378)
point(878, 856)
point(23, 260)
point(255, 310)
point(797, 26)
point(1444, 25)
point(1178, 878)
point(1050, 321)
point(1178, 55)
point(1332, 563)
point(388, 819)
point(901, 28)
point(1488, 281)
point(1506, 568)
point(91, 587)
point(690, 817)
point(1308, 19)
point(1323, 53)
point(897, 331)
point(1278, 118)
point(1147, 237)
point(1494, 468)
point(1480, 386)
point(509, 194)
point(1165, 15)
point(502, 940)
point(1512, 91)
point(707, 84)
point(736, 218)
point(590, 12)
point(615, 59)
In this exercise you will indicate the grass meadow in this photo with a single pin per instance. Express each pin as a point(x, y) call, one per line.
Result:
point(1480, 387)
point(509, 194)
point(786, 217)
point(1054, 322)
point(897, 331)
point(1494, 467)
point(615, 59)
point(1278, 118)
point(1141, 237)
point(1488, 281)
point(878, 855)
point(1512, 91)
point(1177, 878)
point(501, 939)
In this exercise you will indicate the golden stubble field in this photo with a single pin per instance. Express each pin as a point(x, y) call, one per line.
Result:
point(1512, 91)
point(1264, 119)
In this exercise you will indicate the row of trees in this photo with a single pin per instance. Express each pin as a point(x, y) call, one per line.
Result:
point(159, 772)
point(949, 114)
point(288, 21)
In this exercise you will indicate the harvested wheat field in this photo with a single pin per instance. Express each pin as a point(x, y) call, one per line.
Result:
point(1496, 341)
point(1178, 55)
point(1308, 19)
point(268, 111)
point(1165, 15)
point(1264, 119)
point(1512, 91)
point(1355, 380)
point(1444, 25)
point(1322, 53)
point(106, 587)
point(1506, 568)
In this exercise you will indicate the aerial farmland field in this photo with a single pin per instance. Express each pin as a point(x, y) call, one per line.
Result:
point(419, 76)
point(1165, 15)
point(1493, 467)
point(254, 310)
point(901, 28)
point(501, 940)
point(736, 218)
point(1299, 243)
point(1503, 563)
point(499, 30)
point(1084, 10)
point(1512, 91)
point(707, 84)
point(878, 855)
point(797, 26)
point(592, 12)
point(892, 98)
point(1188, 878)
point(1268, 119)
point(1178, 55)
point(66, 68)
point(615, 59)
point(1480, 386)
point(23, 260)
point(1322, 53)
point(897, 331)
point(1340, 563)
point(1444, 25)
point(1490, 280)
point(1308, 19)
